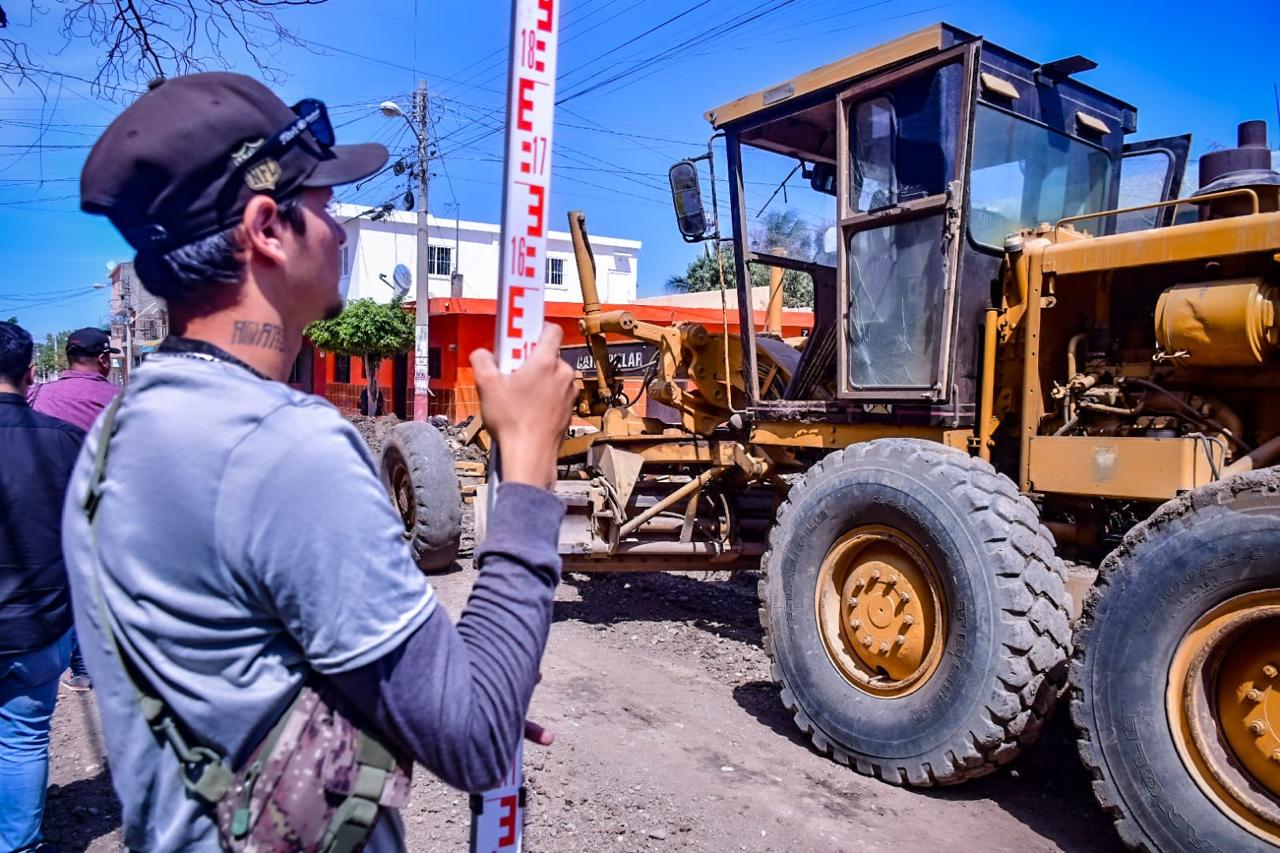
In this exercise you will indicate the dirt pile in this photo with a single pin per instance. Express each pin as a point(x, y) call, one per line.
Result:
point(373, 429)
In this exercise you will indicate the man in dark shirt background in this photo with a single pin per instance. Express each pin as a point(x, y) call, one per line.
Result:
point(78, 396)
point(38, 453)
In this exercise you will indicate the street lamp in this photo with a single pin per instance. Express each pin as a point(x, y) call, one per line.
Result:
point(421, 357)
point(391, 109)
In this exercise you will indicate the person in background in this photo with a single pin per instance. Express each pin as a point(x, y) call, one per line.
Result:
point(78, 396)
point(35, 604)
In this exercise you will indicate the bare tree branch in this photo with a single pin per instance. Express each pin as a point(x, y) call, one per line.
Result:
point(140, 40)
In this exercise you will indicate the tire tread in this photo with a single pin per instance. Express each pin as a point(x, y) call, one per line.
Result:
point(1170, 518)
point(1034, 574)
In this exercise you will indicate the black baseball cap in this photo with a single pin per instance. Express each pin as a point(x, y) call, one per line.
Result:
point(182, 161)
point(89, 341)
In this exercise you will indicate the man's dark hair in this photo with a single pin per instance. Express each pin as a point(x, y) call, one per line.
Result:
point(15, 353)
point(77, 356)
point(192, 275)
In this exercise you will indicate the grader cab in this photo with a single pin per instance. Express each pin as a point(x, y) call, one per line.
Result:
point(1027, 350)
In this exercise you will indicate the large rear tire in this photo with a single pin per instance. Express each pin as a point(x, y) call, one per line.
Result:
point(418, 472)
point(948, 681)
point(1175, 688)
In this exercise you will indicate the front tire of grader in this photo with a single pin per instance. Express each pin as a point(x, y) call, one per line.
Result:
point(418, 472)
point(1175, 686)
point(915, 612)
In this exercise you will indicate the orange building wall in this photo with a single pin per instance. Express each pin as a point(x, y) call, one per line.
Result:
point(459, 326)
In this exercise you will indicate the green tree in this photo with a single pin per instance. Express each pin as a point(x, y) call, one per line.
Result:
point(51, 356)
point(13, 320)
point(782, 232)
point(370, 330)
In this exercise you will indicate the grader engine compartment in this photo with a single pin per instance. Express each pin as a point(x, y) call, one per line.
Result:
point(1161, 376)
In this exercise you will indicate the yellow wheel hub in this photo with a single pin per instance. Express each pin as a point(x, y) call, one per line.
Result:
point(1223, 702)
point(881, 611)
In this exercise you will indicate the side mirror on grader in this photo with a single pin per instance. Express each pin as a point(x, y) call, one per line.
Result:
point(686, 196)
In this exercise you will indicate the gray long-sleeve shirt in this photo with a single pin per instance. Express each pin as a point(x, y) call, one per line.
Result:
point(454, 698)
point(245, 541)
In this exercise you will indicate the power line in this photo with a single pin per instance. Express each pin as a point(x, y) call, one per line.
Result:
point(564, 28)
point(687, 11)
point(648, 63)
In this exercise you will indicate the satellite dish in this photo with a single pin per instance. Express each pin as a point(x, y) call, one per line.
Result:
point(403, 279)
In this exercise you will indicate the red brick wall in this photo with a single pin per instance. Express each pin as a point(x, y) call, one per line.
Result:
point(346, 396)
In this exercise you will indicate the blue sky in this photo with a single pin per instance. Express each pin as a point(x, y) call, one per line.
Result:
point(1187, 66)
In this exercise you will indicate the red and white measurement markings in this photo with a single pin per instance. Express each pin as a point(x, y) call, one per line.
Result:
point(497, 824)
point(527, 185)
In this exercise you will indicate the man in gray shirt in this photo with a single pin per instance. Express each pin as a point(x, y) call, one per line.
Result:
point(244, 542)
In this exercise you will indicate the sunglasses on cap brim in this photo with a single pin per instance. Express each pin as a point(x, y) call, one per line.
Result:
point(313, 116)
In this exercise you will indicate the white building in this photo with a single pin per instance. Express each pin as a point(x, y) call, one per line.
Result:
point(375, 247)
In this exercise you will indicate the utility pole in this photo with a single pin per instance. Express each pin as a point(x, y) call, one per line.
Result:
point(455, 275)
point(422, 297)
point(126, 291)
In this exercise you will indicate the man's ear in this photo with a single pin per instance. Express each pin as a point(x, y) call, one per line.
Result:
point(30, 378)
point(263, 229)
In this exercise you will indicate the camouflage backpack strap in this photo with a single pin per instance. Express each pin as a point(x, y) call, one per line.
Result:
point(204, 771)
point(317, 782)
point(354, 819)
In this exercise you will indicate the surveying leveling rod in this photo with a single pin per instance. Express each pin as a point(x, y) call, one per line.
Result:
point(497, 824)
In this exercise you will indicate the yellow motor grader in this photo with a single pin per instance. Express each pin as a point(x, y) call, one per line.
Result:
point(1038, 382)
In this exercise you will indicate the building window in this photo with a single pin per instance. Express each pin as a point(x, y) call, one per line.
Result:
point(346, 260)
point(555, 272)
point(433, 362)
point(341, 367)
point(439, 260)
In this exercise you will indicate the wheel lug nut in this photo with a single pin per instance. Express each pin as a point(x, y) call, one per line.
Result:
point(1269, 670)
point(1257, 728)
point(875, 574)
point(884, 648)
point(855, 624)
point(900, 639)
point(892, 580)
point(904, 596)
point(853, 602)
point(858, 584)
point(1253, 696)
point(866, 641)
point(908, 620)
point(1275, 756)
